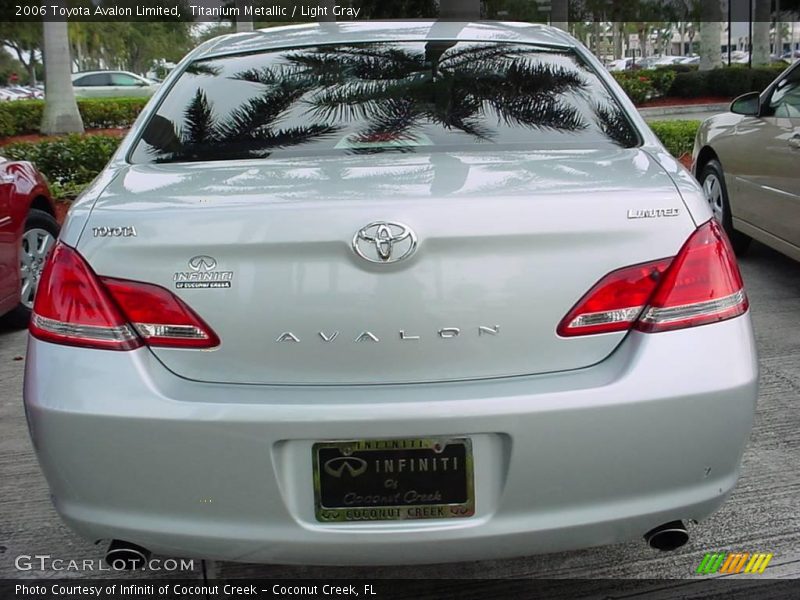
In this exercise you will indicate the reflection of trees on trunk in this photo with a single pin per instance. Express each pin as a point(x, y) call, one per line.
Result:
point(389, 93)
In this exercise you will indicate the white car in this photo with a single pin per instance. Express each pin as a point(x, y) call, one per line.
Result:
point(665, 61)
point(11, 94)
point(621, 64)
point(387, 292)
point(109, 84)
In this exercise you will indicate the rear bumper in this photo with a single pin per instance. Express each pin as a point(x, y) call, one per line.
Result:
point(597, 456)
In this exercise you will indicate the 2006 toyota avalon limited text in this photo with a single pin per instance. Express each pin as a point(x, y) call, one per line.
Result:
point(390, 293)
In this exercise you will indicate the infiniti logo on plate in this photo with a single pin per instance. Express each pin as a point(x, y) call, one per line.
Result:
point(385, 242)
point(352, 464)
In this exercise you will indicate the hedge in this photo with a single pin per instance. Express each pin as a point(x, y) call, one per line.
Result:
point(70, 163)
point(645, 84)
point(23, 117)
point(677, 136)
point(725, 82)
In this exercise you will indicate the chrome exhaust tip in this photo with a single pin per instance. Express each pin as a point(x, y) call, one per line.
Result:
point(125, 556)
point(669, 536)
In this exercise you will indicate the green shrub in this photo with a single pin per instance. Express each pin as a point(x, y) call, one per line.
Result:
point(692, 84)
point(6, 124)
point(763, 77)
point(662, 80)
point(638, 87)
point(645, 84)
point(677, 136)
point(23, 117)
point(70, 162)
point(105, 114)
point(678, 68)
point(725, 82)
point(20, 117)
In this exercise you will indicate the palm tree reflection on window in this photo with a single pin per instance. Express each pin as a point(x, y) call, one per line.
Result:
point(383, 97)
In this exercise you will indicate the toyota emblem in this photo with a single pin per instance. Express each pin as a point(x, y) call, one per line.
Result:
point(385, 242)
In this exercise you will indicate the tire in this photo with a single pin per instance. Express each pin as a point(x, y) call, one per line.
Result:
point(39, 237)
point(716, 192)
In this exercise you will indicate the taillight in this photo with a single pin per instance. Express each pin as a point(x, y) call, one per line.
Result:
point(615, 302)
point(700, 285)
point(703, 285)
point(159, 316)
point(75, 307)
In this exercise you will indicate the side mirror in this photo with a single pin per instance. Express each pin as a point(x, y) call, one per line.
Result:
point(747, 104)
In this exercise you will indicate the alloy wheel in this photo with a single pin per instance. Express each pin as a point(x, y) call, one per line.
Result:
point(36, 244)
point(713, 192)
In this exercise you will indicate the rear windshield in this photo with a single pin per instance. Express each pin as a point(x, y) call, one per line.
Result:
point(403, 97)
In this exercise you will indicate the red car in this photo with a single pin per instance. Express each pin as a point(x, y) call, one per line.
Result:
point(28, 230)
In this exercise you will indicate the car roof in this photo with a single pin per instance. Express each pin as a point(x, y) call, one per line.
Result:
point(378, 31)
point(82, 73)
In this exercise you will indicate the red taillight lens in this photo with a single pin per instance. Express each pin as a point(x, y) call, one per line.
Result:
point(615, 302)
point(703, 285)
point(75, 307)
point(160, 317)
point(700, 285)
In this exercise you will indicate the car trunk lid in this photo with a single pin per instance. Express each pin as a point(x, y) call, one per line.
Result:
point(507, 242)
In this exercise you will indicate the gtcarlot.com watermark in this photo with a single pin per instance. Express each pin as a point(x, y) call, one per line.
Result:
point(45, 562)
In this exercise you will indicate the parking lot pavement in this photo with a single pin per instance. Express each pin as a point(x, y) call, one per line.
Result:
point(695, 116)
point(760, 516)
point(697, 112)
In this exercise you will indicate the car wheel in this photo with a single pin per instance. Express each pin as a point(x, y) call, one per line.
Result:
point(716, 193)
point(39, 237)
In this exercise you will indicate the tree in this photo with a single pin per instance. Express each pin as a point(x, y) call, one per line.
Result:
point(559, 15)
point(618, 28)
point(710, 35)
point(60, 109)
point(25, 40)
point(460, 9)
point(132, 46)
point(761, 24)
point(9, 65)
point(243, 23)
point(515, 10)
point(396, 9)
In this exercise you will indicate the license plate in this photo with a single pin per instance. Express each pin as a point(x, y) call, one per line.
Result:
point(388, 480)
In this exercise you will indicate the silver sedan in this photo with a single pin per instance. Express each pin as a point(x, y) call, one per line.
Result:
point(374, 293)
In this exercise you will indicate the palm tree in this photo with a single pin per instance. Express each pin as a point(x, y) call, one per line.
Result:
point(467, 10)
point(559, 14)
point(60, 110)
point(243, 23)
point(761, 25)
point(710, 35)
